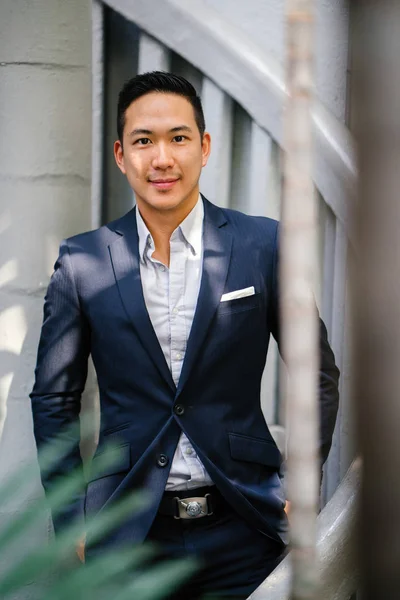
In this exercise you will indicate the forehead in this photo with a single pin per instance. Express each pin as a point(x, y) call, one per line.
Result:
point(159, 109)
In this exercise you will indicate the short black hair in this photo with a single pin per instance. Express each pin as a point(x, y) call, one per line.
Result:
point(158, 81)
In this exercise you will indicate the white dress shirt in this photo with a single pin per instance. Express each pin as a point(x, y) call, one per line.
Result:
point(170, 294)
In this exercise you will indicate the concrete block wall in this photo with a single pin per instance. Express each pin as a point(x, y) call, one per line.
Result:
point(45, 146)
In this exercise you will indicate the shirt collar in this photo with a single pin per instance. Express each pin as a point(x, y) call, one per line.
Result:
point(191, 229)
point(144, 235)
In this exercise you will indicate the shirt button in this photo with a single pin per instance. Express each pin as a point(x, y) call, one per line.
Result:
point(162, 268)
point(178, 356)
point(179, 409)
point(175, 311)
point(189, 450)
point(162, 460)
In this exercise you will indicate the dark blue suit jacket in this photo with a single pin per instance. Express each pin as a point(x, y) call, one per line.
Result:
point(94, 305)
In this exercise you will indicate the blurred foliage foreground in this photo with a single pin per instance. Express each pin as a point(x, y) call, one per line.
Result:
point(53, 567)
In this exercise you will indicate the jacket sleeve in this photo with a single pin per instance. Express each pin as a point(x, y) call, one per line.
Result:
point(328, 371)
point(60, 378)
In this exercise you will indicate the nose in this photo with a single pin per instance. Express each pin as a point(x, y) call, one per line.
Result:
point(163, 158)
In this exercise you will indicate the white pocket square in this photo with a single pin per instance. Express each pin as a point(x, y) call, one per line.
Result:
point(238, 294)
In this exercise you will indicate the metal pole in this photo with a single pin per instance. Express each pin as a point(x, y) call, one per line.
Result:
point(299, 319)
point(377, 291)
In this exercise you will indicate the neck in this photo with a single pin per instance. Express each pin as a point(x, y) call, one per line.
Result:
point(162, 224)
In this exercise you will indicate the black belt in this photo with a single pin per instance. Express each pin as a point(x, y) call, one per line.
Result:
point(191, 504)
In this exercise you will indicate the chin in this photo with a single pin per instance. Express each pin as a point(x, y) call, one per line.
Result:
point(164, 202)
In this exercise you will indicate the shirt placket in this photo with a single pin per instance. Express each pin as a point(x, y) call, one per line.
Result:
point(178, 262)
point(171, 284)
point(176, 307)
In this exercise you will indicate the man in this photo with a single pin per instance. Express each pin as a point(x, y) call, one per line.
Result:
point(175, 301)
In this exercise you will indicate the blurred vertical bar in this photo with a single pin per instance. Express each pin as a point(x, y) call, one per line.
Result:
point(377, 291)
point(298, 272)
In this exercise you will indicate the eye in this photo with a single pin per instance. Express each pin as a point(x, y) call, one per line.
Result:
point(143, 142)
point(179, 138)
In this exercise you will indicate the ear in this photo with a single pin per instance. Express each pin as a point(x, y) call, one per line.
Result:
point(205, 148)
point(119, 156)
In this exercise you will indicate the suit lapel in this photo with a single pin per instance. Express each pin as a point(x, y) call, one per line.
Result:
point(124, 252)
point(217, 245)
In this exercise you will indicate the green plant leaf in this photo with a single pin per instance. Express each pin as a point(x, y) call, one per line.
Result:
point(158, 581)
point(64, 545)
point(62, 493)
point(98, 572)
point(116, 574)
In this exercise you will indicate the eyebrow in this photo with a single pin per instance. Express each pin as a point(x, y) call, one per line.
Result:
point(181, 128)
point(149, 132)
point(140, 132)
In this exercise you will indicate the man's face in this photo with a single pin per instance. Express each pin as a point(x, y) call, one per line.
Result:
point(162, 154)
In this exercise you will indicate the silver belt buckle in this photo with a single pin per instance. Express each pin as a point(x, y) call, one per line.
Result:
point(192, 508)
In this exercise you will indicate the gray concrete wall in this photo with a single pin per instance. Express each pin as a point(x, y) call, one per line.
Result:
point(45, 107)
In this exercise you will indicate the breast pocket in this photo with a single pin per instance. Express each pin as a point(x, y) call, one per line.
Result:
point(239, 304)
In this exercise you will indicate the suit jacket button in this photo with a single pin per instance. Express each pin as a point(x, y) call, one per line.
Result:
point(162, 460)
point(179, 409)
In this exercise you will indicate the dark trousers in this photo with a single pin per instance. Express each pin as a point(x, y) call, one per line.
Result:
point(233, 557)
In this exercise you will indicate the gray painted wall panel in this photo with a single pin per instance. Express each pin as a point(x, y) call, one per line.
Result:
point(218, 113)
point(240, 181)
point(348, 434)
point(332, 468)
point(153, 56)
point(259, 159)
point(262, 201)
point(328, 223)
point(332, 44)
point(263, 20)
